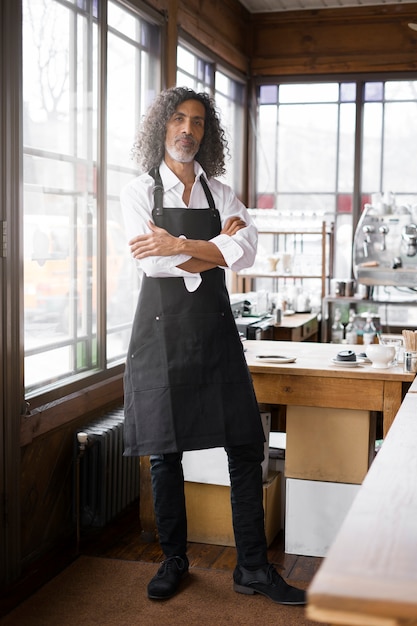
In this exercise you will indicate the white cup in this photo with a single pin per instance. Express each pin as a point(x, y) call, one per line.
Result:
point(382, 356)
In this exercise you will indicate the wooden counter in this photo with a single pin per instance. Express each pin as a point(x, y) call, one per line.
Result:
point(369, 577)
point(313, 380)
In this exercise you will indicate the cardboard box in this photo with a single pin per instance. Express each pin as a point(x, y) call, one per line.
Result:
point(314, 513)
point(335, 445)
point(209, 511)
point(211, 465)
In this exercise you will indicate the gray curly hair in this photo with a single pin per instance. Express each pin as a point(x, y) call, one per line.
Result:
point(149, 147)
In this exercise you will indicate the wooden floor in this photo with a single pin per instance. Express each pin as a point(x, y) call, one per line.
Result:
point(121, 539)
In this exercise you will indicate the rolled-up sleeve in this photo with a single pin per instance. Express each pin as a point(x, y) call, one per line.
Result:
point(239, 250)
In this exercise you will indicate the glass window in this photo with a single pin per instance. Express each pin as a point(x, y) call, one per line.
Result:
point(193, 71)
point(231, 101)
point(133, 79)
point(306, 145)
point(389, 146)
point(75, 253)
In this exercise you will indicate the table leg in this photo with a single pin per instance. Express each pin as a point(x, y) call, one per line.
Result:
point(392, 403)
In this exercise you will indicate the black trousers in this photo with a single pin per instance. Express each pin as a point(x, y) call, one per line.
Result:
point(246, 498)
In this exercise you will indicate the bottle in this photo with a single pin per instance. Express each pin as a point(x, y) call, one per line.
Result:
point(350, 332)
point(369, 331)
point(337, 328)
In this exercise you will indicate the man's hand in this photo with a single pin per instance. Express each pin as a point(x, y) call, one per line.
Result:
point(232, 225)
point(156, 243)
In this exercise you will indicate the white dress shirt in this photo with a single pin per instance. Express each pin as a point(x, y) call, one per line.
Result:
point(137, 203)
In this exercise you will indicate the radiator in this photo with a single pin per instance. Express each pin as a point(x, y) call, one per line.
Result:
point(106, 481)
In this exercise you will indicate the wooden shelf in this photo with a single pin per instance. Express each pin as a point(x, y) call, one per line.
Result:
point(290, 239)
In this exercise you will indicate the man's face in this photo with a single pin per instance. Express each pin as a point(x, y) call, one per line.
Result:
point(185, 131)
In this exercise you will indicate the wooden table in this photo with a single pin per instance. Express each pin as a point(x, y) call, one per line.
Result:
point(313, 380)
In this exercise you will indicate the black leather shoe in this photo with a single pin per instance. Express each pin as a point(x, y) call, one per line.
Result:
point(269, 583)
point(167, 579)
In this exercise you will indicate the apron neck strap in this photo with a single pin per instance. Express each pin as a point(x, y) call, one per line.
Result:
point(208, 193)
point(158, 191)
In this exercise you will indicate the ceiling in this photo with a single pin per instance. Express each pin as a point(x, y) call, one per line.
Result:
point(265, 6)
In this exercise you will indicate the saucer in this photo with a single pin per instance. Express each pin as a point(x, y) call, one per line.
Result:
point(275, 358)
point(364, 359)
point(348, 363)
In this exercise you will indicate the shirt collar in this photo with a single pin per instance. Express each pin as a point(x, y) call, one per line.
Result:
point(170, 180)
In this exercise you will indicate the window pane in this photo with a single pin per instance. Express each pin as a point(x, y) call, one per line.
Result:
point(346, 147)
point(348, 92)
point(268, 94)
point(133, 79)
point(307, 147)
point(185, 60)
point(401, 90)
point(372, 147)
point(327, 92)
point(374, 92)
point(46, 85)
point(266, 155)
point(400, 147)
point(230, 100)
point(122, 21)
point(60, 221)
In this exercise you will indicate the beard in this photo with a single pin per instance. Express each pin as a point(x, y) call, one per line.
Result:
point(180, 153)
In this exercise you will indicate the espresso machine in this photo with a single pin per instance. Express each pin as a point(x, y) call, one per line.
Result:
point(385, 246)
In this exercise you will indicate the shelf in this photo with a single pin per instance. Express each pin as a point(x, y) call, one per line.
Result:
point(352, 301)
point(356, 300)
point(293, 241)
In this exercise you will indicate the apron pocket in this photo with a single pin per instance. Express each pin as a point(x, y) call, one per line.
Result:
point(193, 348)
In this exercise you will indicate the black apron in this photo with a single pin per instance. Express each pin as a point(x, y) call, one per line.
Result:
point(187, 385)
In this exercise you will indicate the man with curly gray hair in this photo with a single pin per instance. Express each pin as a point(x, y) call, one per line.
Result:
point(187, 385)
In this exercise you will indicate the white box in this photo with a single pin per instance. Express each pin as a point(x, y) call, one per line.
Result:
point(211, 466)
point(315, 511)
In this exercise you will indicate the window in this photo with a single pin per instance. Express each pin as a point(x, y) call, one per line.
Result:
point(230, 96)
point(231, 100)
point(82, 104)
point(306, 151)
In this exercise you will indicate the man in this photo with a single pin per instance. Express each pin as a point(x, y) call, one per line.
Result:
point(187, 385)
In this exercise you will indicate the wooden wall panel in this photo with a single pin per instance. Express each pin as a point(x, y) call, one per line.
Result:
point(222, 26)
point(47, 492)
point(365, 39)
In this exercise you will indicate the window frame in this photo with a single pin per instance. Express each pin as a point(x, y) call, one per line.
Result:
point(360, 80)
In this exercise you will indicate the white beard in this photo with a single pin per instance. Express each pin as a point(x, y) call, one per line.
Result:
point(181, 155)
